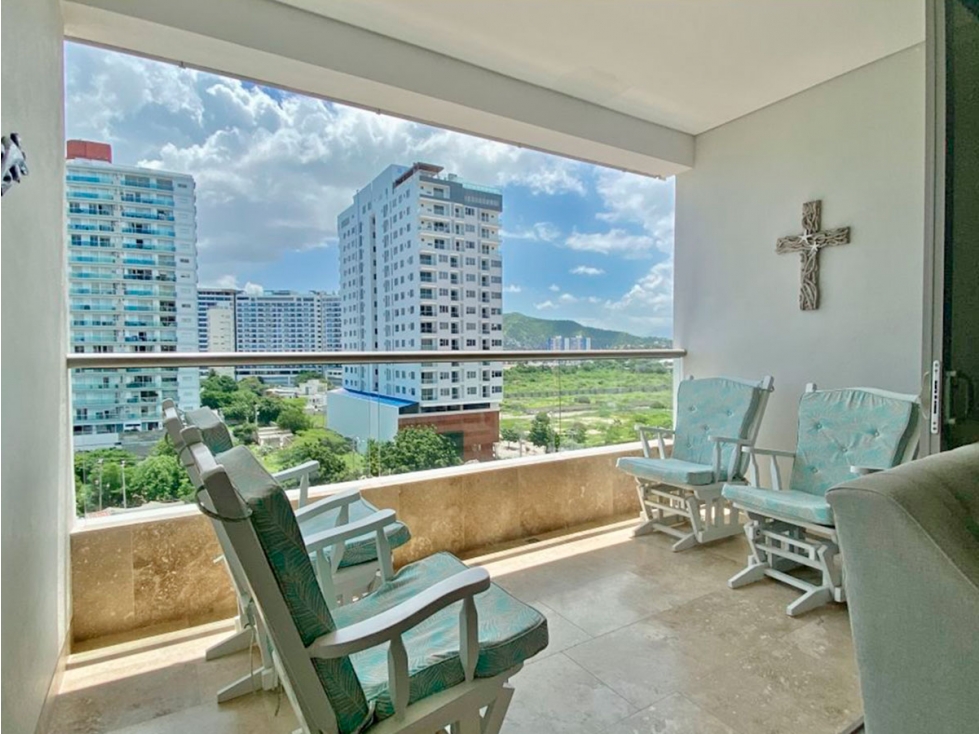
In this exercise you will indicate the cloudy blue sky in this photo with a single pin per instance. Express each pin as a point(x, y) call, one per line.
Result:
point(273, 170)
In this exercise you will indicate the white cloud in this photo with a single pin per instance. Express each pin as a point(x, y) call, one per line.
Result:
point(613, 242)
point(540, 231)
point(594, 299)
point(587, 270)
point(253, 289)
point(554, 288)
point(222, 281)
point(545, 306)
point(273, 169)
point(567, 298)
point(512, 288)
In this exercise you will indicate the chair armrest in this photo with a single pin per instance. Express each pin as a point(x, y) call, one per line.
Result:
point(342, 533)
point(739, 445)
point(328, 503)
point(773, 454)
point(769, 452)
point(299, 471)
point(394, 622)
point(660, 434)
point(862, 471)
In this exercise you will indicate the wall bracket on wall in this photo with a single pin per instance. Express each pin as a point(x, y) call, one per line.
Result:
point(808, 244)
point(14, 161)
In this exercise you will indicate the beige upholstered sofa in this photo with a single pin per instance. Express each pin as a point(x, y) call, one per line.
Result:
point(910, 545)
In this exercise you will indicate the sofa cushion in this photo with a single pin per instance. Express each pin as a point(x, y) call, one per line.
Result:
point(849, 427)
point(510, 632)
point(713, 406)
point(667, 471)
point(785, 503)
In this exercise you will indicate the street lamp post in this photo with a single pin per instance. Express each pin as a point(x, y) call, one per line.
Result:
point(100, 484)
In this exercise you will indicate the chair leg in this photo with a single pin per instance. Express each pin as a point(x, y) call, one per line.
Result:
point(238, 641)
point(810, 600)
point(469, 723)
point(854, 727)
point(250, 683)
point(754, 572)
point(685, 543)
point(496, 711)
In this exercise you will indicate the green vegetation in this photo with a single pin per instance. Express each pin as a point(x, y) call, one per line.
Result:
point(588, 404)
point(527, 332)
point(413, 449)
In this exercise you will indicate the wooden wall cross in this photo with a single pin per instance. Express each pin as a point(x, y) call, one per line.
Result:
point(808, 245)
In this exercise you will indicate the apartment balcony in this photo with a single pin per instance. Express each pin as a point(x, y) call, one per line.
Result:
point(638, 633)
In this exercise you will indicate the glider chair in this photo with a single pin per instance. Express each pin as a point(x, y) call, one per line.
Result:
point(842, 434)
point(432, 647)
point(681, 494)
point(339, 581)
point(343, 571)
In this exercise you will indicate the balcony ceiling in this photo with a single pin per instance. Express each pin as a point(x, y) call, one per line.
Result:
point(686, 65)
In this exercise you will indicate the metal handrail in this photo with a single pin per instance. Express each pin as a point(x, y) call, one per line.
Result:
point(241, 359)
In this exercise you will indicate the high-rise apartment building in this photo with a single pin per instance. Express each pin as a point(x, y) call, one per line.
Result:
point(568, 343)
point(270, 321)
point(420, 269)
point(132, 251)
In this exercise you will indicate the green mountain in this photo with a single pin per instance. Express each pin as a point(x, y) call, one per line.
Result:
point(526, 332)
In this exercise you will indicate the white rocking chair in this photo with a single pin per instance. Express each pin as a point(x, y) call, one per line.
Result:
point(433, 647)
point(842, 434)
point(346, 566)
point(680, 495)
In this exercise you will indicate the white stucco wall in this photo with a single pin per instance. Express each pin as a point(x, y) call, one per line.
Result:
point(857, 142)
point(360, 419)
point(35, 493)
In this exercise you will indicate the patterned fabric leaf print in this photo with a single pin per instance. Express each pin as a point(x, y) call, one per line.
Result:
point(850, 427)
point(510, 632)
point(214, 433)
point(278, 533)
point(712, 406)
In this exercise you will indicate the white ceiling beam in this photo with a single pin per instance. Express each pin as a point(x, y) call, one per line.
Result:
point(280, 45)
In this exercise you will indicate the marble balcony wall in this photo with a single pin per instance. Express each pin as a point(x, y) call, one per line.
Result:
point(162, 572)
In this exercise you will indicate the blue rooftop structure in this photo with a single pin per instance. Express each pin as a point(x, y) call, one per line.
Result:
point(377, 398)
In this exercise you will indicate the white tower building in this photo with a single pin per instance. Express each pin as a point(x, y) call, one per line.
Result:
point(132, 250)
point(420, 269)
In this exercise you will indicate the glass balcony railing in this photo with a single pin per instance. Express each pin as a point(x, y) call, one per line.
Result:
point(435, 408)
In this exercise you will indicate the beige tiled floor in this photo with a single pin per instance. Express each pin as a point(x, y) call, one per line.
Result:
point(643, 640)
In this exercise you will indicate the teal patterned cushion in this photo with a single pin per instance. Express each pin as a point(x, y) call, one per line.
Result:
point(363, 548)
point(850, 427)
point(786, 503)
point(713, 406)
point(214, 432)
point(278, 533)
point(510, 632)
point(667, 471)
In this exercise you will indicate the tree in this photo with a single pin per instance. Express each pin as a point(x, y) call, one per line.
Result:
point(268, 407)
point(98, 473)
point(541, 433)
point(254, 385)
point(159, 479)
point(307, 375)
point(217, 390)
point(510, 434)
point(292, 418)
point(312, 448)
point(413, 449)
point(246, 433)
point(577, 433)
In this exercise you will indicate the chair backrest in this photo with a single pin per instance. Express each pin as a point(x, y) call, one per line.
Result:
point(851, 427)
point(717, 406)
point(214, 431)
point(910, 544)
point(261, 527)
